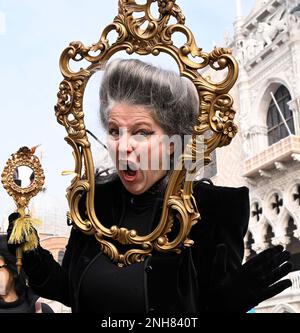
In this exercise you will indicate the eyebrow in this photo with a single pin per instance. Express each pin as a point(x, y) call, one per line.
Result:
point(139, 123)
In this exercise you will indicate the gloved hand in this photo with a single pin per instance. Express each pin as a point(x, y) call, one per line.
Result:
point(13, 247)
point(251, 283)
point(32, 259)
point(11, 219)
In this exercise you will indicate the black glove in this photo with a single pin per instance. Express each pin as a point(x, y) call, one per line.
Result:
point(11, 219)
point(245, 287)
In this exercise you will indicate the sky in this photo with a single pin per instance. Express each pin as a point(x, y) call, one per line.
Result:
point(33, 34)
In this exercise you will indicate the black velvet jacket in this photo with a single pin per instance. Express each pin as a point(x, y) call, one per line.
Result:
point(173, 283)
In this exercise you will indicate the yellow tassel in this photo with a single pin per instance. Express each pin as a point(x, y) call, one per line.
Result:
point(23, 231)
point(32, 242)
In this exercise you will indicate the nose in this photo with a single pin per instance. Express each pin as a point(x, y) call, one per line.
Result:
point(126, 144)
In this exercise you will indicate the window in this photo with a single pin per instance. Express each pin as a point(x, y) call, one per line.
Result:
point(276, 127)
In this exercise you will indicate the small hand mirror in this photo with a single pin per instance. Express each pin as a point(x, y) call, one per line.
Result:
point(23, 177)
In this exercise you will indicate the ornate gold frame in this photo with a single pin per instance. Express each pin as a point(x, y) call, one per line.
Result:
point(23, 157)
point(215, 114)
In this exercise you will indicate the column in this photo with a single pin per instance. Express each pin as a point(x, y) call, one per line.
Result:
point(294, 105)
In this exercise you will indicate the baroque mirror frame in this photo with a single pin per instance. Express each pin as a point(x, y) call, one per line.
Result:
point(215, 115)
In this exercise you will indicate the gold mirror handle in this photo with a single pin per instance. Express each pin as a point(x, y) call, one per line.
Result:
point(19, 256)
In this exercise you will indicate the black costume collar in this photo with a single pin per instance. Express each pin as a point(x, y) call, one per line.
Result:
point(154, 193)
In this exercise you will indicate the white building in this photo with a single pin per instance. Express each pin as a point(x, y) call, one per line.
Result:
point(265, 155)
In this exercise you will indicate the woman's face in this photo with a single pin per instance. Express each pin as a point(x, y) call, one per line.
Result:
point(6, 279)
point(137, 146)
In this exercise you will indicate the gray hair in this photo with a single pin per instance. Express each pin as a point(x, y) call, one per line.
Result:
point(172, 99)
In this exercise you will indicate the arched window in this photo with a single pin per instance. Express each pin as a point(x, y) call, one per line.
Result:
point(276, 127)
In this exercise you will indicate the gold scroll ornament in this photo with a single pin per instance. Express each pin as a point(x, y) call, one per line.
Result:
point(23, 178)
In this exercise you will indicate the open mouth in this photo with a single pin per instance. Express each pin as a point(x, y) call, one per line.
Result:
point(128, 170)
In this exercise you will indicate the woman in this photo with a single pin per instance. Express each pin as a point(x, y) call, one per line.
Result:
point(15, 296)
point(140, 105)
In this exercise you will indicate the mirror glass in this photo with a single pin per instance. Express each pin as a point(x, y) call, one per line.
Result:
point(23, 176)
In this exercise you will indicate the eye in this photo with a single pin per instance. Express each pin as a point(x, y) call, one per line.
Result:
point(144, 133)
point(113, 132)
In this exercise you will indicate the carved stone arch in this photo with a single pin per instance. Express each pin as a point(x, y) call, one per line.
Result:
point(291, 231)
point(283, 308)
point(291, 197)
point(264, 98)
point(286, 214)
point(257, 229)
point(259, 232)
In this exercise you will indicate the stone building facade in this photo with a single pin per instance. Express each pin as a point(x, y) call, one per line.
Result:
point(265, 155)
